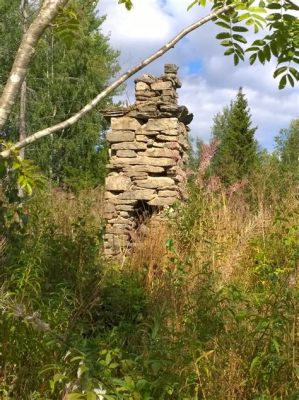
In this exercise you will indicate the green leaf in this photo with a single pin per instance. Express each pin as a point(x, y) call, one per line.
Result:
point(75, 396)
point(274, 6)
point(294, 72)
point(252, 58)
point(226, 43)
point(223, 24)
point(257, 9)
point(229, 51)
point(291, 80)
point(240, 38)
point(261, 57)
point(255, 362)
point(259, 42)
point(279, 71)
point(283, 82)
point(90, 395)
point(223, 35)
point(192, 4)
point(239, 29)
point(244, 16)
point(267, 52)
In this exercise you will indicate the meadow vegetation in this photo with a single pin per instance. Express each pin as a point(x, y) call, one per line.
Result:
point(205, 307)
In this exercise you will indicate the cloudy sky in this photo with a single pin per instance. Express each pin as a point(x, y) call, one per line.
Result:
point(210, 80)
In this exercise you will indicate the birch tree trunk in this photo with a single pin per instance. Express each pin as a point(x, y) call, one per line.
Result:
point(23, 97)
point(47, 13)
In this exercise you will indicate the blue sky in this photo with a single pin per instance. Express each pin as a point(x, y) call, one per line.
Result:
point(210, 80)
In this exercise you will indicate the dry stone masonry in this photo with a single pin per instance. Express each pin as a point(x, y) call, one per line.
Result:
point(148, 152)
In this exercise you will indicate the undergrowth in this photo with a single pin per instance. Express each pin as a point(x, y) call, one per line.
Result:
point(206, 307)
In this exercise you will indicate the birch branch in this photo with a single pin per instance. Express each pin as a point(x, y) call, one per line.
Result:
point(47, 13)
point(92, 104)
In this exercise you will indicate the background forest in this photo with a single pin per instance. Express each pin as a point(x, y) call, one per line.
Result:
point(205, 307)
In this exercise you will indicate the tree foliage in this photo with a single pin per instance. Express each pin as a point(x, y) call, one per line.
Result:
point(72, 63)
point(236, 155)
point(281, 42)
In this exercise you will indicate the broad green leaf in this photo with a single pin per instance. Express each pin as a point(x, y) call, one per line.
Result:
point(223, 35)
point(279, 71)
point(283, 82)
point(240, 38)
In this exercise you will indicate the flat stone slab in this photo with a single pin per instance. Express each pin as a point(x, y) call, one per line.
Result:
point(155, 182)
point(143, 160)
point(168, 193)
point(162, 201)
point(161, 124)
point(142, 194)
point(144, 168)
point(126, 153)
point(129, 146)
point(161, 85)
point(142, 86)
point(161, 152)
point(123, 136)
point(124, 123)
point(118, 183)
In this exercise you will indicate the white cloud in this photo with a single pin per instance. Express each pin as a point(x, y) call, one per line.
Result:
point(151, 23)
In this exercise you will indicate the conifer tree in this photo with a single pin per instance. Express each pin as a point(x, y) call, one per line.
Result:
point(237, 153)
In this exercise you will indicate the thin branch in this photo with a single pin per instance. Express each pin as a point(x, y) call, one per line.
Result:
point(92, 104)
point(46, 15)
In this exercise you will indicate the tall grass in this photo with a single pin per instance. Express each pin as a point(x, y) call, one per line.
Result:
point(205, 306)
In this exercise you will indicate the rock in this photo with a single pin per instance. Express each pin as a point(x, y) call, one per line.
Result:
point(108, 195)
point(171, 108)
point(160, 152)
point(170, 132)
point(144, 131)
point(109, 208)
point(161, 85)
point(119, 201)
point(183, 142)
point(144, 168)
point(171, 69)
point(118, 183)
point(172, 145)
point(126, 153)
point(162, 201)
point(161, 124)
point(129, 146)
point(158, 162)
point(143, 194)
point(124, 136)
point(141, 138)
point(119, 221)
point(159, 182)
point(124, 214)
point(165, 138)
point(168, 193)
point(124, 207)
point(158, 144)
point(125, 123)
point(141, 86)
point(147, 78)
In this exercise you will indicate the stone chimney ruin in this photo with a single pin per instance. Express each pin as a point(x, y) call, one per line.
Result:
point(148, 146)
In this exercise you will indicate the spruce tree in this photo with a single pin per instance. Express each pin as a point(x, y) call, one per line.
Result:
point(237, 153)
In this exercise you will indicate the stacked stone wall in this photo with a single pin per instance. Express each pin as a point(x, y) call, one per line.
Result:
point(148, 152)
